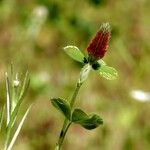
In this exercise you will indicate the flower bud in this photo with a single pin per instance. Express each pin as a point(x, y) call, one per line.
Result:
point(98, 46)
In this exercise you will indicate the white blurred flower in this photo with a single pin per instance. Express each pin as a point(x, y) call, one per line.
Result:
point(36, 21)
point(140, 95)
point(40, 11)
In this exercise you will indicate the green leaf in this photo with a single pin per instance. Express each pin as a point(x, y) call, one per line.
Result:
point(2, 111)
point(63, 106)
point(23, 91)
point(25, 86)
point(89, 122)
point(74, 53)
point(18, 129)
point(107, 72)
point(8, 101)
point(79, 115)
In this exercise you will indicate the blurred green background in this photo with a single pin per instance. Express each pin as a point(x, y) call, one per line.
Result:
point(32, 35)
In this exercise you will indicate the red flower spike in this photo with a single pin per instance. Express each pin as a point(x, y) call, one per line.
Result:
point(98, 46)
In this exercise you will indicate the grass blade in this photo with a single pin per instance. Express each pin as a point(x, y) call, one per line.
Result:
point(25, 86)
point(21, 96)
point(2, 116)
point(8, 99)
point(18, 129)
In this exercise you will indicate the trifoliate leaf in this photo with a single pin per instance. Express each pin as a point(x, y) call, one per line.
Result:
point(79, 115)
point(107, 72)
point(89, 122)
point(74, 53)
point(63, 106)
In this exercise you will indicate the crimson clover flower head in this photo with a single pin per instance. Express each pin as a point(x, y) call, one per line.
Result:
point(96, 51)
point(98, 45)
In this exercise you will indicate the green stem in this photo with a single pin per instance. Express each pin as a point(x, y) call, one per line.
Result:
point(67, 123)
point(83, 76)
point(75, 94)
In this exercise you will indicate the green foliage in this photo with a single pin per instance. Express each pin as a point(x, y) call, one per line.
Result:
point(75, 22)
point(74, 53)
point(18, 129)
point(63, 106)
point(16, 88)
point(1, 116)
point(89, 122)
point(100, 66)
point(107, 72)
point(22, 91)
point(78, 116)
